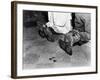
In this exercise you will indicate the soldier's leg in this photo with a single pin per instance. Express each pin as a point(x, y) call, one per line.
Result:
point(68, 41)
point(84, 38)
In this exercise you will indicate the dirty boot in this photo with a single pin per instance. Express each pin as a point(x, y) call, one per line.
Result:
point(41, 33)
point(65, 46)
point(45, 32)
point(49, 35)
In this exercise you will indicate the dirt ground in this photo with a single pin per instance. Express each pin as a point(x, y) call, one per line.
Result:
point(38, 51)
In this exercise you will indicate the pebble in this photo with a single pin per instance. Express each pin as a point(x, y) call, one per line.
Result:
point(53, 58)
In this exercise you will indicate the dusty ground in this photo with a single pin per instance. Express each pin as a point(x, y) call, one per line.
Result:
point(37, 52)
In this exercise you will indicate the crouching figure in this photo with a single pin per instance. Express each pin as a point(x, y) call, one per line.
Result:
point(75, 28)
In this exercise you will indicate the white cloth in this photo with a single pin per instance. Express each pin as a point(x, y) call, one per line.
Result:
point(60, 22)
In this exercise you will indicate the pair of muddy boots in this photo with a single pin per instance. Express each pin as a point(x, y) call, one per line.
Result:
point(66, 43)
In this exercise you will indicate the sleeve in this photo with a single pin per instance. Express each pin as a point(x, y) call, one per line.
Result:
point(86, 20)
point(82, 21)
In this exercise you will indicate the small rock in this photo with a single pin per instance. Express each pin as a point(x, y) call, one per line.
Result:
point(54, 60)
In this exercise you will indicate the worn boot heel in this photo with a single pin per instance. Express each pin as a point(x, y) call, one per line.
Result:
point(61, 44)
point(49, 35)
point(68, 50)
point(41, 33)
point(65, 46)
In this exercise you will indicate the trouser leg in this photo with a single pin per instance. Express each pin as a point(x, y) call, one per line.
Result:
point(84, 38)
